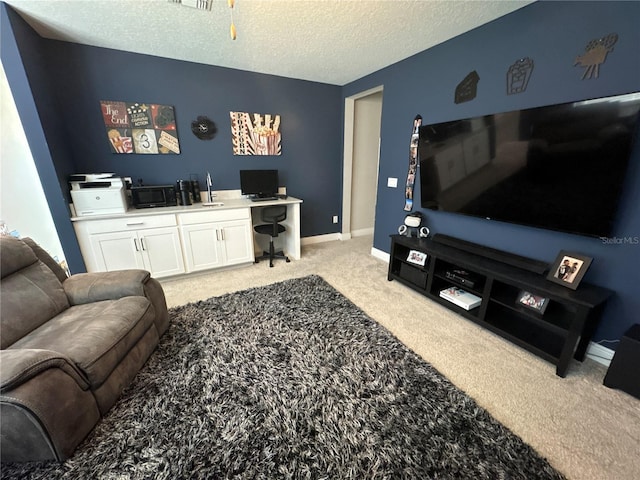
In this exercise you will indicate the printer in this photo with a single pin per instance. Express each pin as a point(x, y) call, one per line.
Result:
point(98, 194)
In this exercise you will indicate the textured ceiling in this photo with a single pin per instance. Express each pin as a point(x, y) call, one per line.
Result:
point(327, 41)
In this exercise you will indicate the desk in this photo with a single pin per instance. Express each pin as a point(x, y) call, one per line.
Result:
point(292, 223)
point(291, 244)
point(161, 240)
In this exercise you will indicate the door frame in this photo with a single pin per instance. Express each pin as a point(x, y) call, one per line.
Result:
point(347, 175)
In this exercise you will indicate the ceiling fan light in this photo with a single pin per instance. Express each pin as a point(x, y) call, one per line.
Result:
point(199, 4)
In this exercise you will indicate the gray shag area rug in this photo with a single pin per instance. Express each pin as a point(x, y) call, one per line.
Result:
point(291, 381)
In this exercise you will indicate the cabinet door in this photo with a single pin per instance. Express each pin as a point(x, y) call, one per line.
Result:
point(201, 246)
point(161, 251)
point(116, 251)
point(237, 242)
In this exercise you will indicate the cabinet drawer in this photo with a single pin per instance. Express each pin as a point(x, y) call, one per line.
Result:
point(193, 218)
point(130, 223)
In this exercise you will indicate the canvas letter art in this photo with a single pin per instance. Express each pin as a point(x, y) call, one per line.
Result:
point(140, 127)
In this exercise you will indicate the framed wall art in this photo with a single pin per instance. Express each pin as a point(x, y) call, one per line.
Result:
point(134, 127)
point(259, 135)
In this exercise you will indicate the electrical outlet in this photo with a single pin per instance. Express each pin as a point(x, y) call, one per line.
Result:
point(335, 219)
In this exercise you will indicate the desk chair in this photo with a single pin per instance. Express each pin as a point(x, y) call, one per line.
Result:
point(273, 215)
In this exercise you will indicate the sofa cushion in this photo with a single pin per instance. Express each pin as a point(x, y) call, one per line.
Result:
point(45, 258)
point(15, 255)
point(31, 293)
point(96, 336)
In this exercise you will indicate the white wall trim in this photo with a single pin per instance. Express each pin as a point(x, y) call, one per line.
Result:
point(380, 254)
point(362, 232)
point(347, 167)
point(329, 237)
point(600, 354)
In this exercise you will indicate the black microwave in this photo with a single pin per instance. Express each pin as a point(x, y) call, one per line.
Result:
point(154, 196)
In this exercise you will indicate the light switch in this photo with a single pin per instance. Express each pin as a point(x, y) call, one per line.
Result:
point(392, 182)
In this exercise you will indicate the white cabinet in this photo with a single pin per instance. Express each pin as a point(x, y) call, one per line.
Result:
point(214, 239)
point(174, 241)
point(115, 251)
point(201, 247)
point(149, 242)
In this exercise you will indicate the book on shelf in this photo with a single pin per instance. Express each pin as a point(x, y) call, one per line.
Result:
point(460, 297)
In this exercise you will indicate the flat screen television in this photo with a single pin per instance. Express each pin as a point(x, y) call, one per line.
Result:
point(259, 183)
point(559, 167)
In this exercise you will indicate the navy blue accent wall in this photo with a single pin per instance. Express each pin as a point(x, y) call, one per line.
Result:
point(311, 159)
point(552, 34)
point(310, 163)
point(25, 66)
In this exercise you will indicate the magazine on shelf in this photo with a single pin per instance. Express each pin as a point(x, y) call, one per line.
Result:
point(419, 258)
point(460, 297)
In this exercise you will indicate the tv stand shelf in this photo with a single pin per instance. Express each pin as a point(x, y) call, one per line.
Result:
point(562, 332)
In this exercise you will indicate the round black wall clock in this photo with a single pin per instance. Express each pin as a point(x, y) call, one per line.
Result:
point(203, 128)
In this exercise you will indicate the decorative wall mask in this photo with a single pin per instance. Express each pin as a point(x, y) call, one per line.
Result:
point(595, 54)
point(260, 136)
point(413, 163)
point(203, 128)
point(518, 75)
point(467, 88)
point(140, 127)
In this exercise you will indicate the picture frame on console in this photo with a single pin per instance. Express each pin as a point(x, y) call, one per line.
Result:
point(569, 268)
point(416, 257)
point(533, 302)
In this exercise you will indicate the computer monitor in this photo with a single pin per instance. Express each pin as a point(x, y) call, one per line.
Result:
point(259, 183)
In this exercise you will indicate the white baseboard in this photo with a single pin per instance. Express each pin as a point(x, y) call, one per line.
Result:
point(380, 254)
point(600, 354)
point(329, 237)
point(362, 232)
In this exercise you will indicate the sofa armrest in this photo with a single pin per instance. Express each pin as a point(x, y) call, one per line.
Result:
point(19, 365)
point(46, 406)
point(92, 287)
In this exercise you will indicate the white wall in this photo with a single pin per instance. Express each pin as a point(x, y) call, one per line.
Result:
point(23, 205)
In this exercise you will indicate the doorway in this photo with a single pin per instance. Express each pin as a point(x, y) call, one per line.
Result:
point(363, 114)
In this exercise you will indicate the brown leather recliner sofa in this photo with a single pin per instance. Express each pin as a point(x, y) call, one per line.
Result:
point(69, 346)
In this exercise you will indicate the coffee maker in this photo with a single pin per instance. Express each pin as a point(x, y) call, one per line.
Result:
point(195, 188)
point(185, 192)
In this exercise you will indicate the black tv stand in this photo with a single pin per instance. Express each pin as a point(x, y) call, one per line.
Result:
point(558, 334)
point(525, 263)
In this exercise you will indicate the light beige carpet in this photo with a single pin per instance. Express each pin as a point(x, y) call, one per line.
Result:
point(586, 430)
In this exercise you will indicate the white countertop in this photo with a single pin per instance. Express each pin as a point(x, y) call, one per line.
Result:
point(227, 204)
